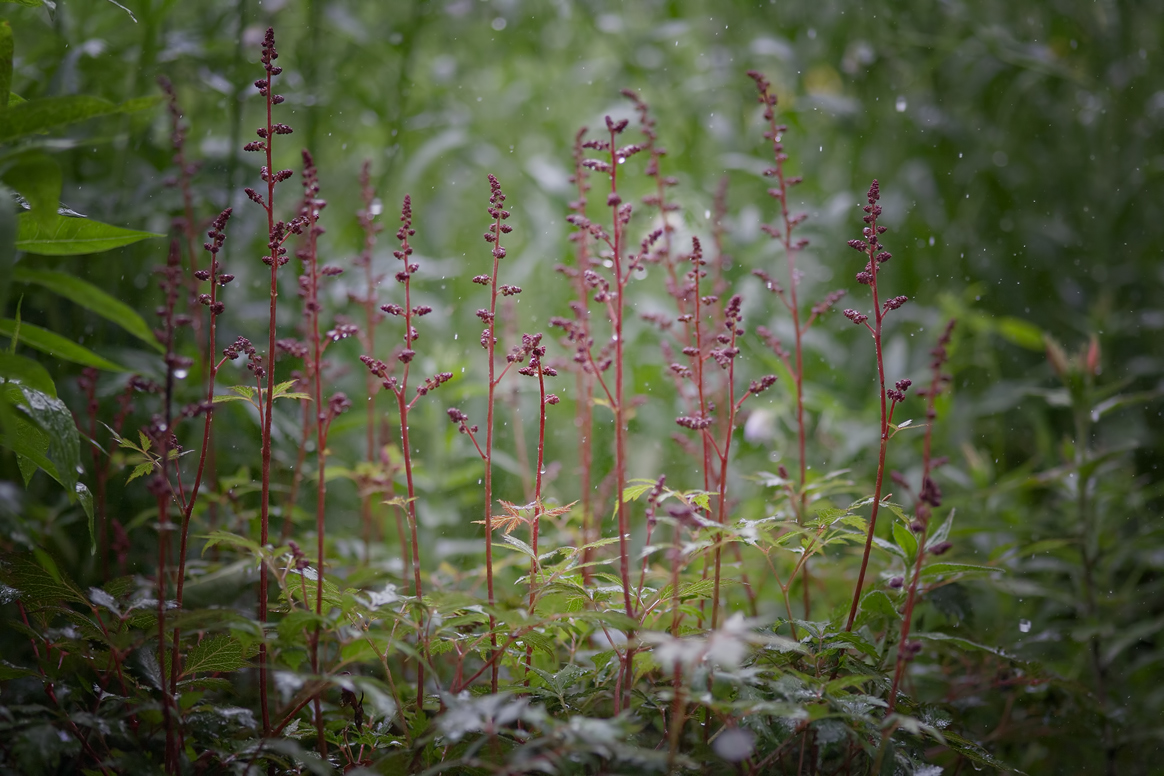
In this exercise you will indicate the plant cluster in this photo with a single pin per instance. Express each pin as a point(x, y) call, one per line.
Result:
point(654, 624)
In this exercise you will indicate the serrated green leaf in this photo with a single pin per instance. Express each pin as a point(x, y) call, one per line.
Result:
point(615, 619)
point(36, 583)
point(215, 538)
point(141, 470)
point(216, 654)
point(37, 116)
point(517, 544)
point(55, 345)
point(877, 603)
point(66, 236)
point(91, 298)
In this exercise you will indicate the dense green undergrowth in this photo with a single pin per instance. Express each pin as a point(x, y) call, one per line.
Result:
point(751, 505)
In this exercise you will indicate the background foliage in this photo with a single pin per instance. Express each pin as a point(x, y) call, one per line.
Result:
point(1019, 150)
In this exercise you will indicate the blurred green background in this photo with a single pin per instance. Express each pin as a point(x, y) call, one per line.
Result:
point(1020, 154)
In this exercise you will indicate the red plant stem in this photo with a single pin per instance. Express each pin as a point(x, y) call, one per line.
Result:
point(619, 403)
point(402, 409)
point(878, 317)
point(922, 511)
point(321, 428)
point(188, 507)
point(368, 335)
point(164, 494)
point(268, 406)
point(533, 564)
point(584, 380)
point(721, 511)
point(490, 347)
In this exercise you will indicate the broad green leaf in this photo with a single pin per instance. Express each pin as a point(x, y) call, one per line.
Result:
point(91, 298)
point(52, 418)
point(37, 177)
point(7, 51)
point(37, 116)
point(55, 345)
point(18, 369)
point(66, 236)
point(214, 655)
point(26, 3)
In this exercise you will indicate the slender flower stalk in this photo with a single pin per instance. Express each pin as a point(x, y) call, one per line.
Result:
point(216, 278)
point(162, 433)
point(372, 317)
point(337, 403)
point(578, 333)
point(929, 498)
point(399, 388)
point(277, 233)
point(782, 231)
point(498, 227)
point(539, 369)
point(875, 256)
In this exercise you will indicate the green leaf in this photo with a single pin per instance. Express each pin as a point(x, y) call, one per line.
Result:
point(7, 245)
point(55, 345)
point(25, 3)
point(7, 51)
point(877, 603)
point(905, 540)
point(1022, 333)
point(50, 415)
point(37, 176)
point(518, 544)
point(91, 298)
point(66, 236)
point(37, 583)
point(85, 498)
point(958, 641)
point(38, 116)
point(215, 655)
point(943, 569)
point(18, 369)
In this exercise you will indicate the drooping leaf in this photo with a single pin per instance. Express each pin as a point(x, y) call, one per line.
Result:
point(91, 298)
point(53, 419)
point(36, 583)
point(215, 655)
point(55, 345)
point(37, 177)
point(64, 236)
point(18, 369)
point(37, 116)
